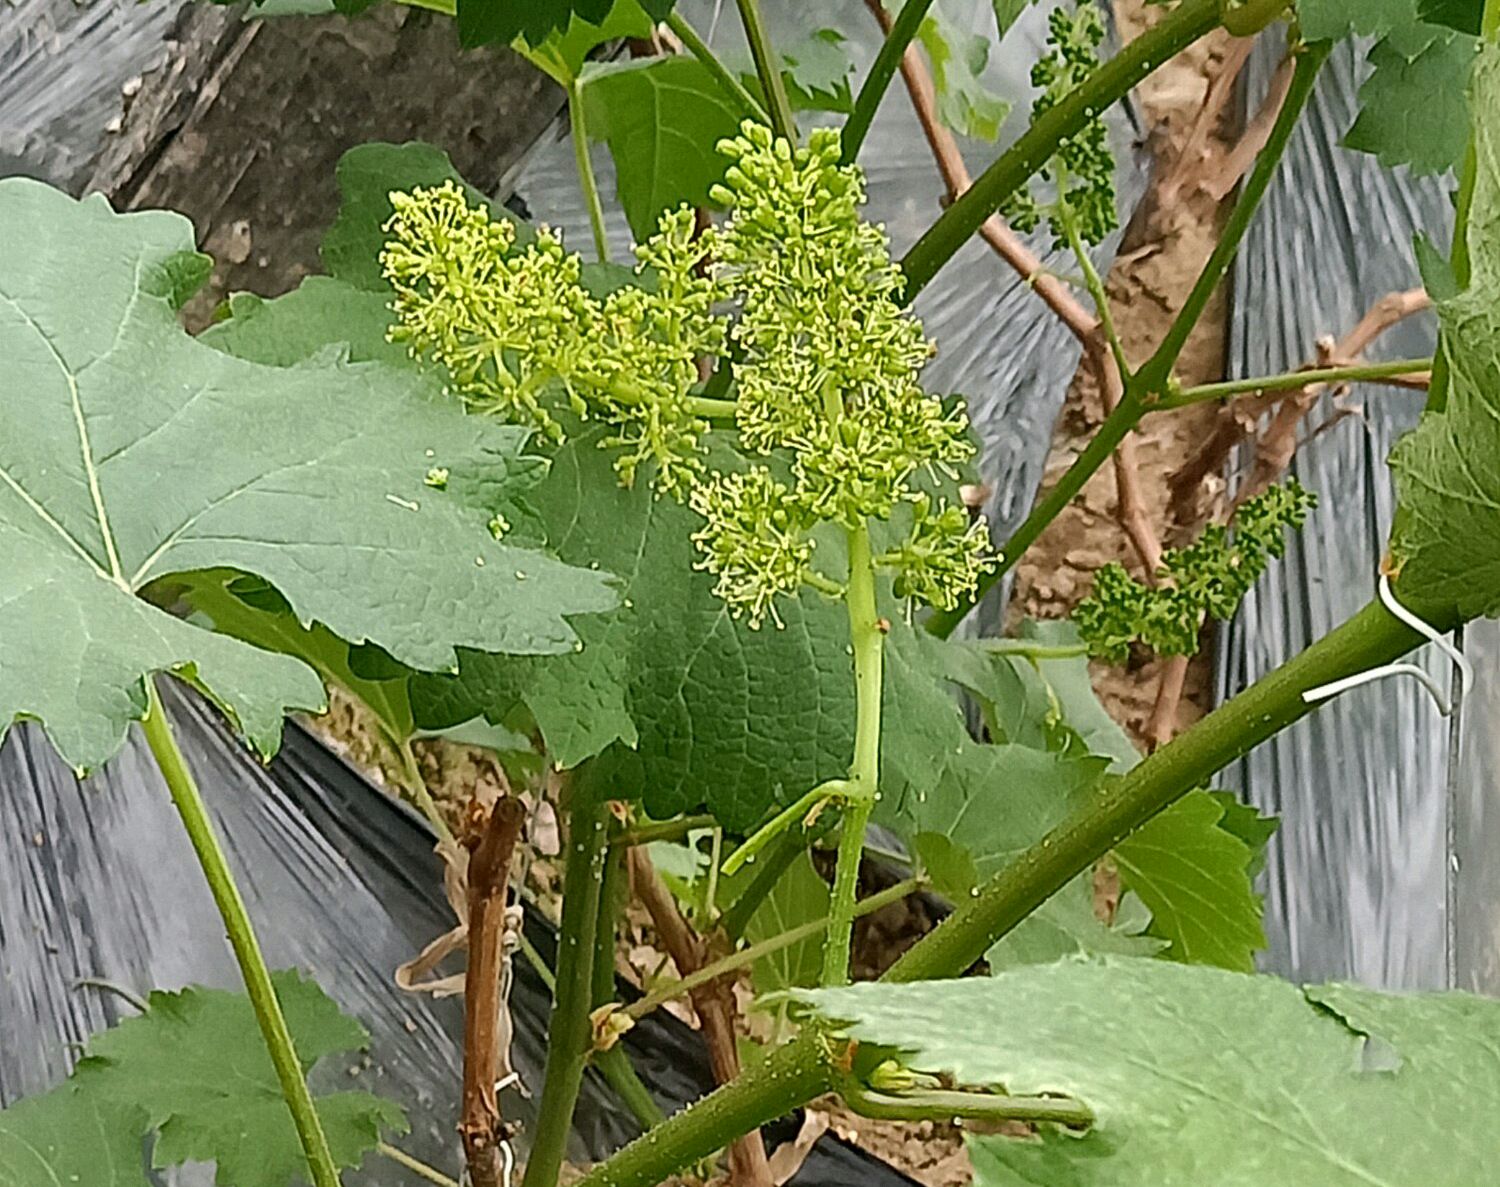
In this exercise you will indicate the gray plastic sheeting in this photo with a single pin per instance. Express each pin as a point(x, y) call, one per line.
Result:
point(1355, 883)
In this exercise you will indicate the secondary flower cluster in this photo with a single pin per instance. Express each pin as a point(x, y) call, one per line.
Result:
point(1207, 579)
point(825, 364)
point(516, 326)
point(1083, 169)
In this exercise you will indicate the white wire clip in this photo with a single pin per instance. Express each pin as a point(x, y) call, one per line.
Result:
point(1427, 631)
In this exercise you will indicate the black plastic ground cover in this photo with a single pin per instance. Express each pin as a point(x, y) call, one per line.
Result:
point(97, 880)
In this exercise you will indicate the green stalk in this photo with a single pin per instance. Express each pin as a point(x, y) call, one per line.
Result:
point(241, 933)
point(731, 85)
point(768, 68)
point(586, 180)
point(1181, 27)
point(1374, 636)
point(1095, 285)
point(1290, 381)
point(792, 814)
point(1145, 389)
point(661, 830)
point(614, 1064)
point(570, 1033)
point(416, 1166)
point(882, 70)
point(784, 850)
point(867, 636)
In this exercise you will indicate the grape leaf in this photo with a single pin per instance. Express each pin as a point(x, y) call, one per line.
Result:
point(196, 1067)
point(366, 174)
point(296, 326)
point(1195, 876)
point(1202, 1076)
point(1446, 540)
point(1007, 12)
point(67, 1137)
point(130, 452)
point(1463, 15)
point(1329, 20)
point(799, 896)
point(958, 60)
point(564, 52)
point(720, 713)
point(817, 73)
point(1413, 110)
point(662, 119)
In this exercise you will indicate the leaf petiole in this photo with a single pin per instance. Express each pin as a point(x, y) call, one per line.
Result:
point(241, 934)
point(800, 810)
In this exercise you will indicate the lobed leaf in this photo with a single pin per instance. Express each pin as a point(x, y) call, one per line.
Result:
point(130, 453)
point(1198, 1076)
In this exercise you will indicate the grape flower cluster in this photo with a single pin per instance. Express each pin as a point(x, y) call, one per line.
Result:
point(1082, 170)
point(827, 399)
point(1207, 579)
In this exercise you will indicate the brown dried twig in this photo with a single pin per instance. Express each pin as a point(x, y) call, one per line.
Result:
point(491, 839)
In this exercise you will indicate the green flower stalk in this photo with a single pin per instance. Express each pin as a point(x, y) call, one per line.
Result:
point(828, 402)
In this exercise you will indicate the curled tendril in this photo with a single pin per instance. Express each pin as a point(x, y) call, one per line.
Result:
point(1083, 170)
point(1207, 579)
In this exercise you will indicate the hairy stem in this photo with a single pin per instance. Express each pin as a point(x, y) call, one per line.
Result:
point(570, 1034)
point(226, 894)
point(1106, 86)
point(586, 180)
point(882, 70)
point(726, 79)
point(1290, 381)
point(768, 69)
point(1152, 381)
point(867, 636)
point(786, 1079)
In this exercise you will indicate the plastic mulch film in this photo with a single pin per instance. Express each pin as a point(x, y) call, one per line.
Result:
point(97, 880)
point(1355, 885)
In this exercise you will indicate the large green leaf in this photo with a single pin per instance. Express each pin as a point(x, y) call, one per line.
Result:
point(129, 452)
point(1328, 20)
point(195, 1071)
point(1447, 535)
point(662, 119)
point(1203, 1078)
point(68, 1139)
point(719, 713)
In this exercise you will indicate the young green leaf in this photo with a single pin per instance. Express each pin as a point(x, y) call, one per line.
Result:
point(1446, 540)
point(487, 22)
point(817, 73)
point(1197, 1076)
point(194, 1071)
point(129, 452)
point(1463, 15)
point(662, 119)
point(1413, 109)
point(958, 60)
point(296, 326)
point(1194, 875)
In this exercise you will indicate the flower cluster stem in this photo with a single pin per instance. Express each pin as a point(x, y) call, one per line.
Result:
point(867, 636)
point(241, 933)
